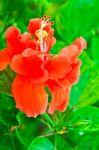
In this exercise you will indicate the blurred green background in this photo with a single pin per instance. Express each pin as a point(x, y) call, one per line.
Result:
point(80, 122)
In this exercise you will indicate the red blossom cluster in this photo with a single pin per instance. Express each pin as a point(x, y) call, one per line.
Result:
point(27, 54)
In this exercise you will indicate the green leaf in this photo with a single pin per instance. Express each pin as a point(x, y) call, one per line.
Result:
point(28, 129)
point(6, 78)
point(85, 91)
point(89, 141)
point(95, 50)
point(52, 9)
point(85, 116)
point(42, 7)
point(76, 18)
point(57, 47)
point(41, 143)
point(61, 143)
point(90, 95)
point(8, 139)
point(57, 1)
point(7, 110)
point(3, 147)
point(84, 126)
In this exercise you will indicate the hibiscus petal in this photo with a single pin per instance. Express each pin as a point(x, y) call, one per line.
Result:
point(64, 82)
point(80, 43)
point(73, 76)
point(69, 52)
point(60, 97)
point(34, 45)
point(23, 42)
point(16, 41)
point(73, 51)
point(30, 98)
point(4, 59)
point(34, 25)
point(12, 33)
point(18, 65)
point(30, 64)
point(47, 27)
point(57, 67)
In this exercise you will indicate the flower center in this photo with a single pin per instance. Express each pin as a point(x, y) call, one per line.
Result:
point(42, 34)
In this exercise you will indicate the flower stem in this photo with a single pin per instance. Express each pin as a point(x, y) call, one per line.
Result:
point(48, 118)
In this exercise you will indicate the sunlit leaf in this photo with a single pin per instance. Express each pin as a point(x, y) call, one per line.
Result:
point(41, 143)
point(76, 18)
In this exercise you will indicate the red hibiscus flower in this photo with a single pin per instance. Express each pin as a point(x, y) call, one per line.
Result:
point(58, 73)
point(37, 69)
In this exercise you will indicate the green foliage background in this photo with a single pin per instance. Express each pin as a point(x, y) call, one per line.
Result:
point(78, 127)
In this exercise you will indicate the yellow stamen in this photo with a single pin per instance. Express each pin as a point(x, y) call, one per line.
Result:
point(41, 34)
